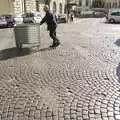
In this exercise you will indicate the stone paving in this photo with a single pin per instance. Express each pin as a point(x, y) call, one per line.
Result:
point(79, 80)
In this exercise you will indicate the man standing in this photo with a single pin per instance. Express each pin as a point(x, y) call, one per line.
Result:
point(51, 21)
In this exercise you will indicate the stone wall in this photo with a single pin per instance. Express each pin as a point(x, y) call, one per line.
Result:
point(21, 6)
point(18, 7)
point(112, 3)
point(30, 5)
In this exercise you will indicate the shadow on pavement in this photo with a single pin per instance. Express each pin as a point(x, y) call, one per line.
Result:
point(13, 52)
point(117, 42)
point(44, 49)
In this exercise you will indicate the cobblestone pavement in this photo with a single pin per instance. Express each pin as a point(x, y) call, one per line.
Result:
point(79, 80)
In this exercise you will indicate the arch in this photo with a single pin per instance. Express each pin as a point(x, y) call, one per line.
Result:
point(60, 8)
point(54, 7)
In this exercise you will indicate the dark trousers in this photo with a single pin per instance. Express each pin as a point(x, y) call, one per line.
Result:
point(52, 34)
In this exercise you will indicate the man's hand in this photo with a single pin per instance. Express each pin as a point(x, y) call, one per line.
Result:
point(43, 20)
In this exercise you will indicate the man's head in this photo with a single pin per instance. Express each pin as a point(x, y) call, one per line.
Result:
point(46, 8)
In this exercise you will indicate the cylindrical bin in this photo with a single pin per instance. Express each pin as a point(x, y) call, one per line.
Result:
point(27, 34)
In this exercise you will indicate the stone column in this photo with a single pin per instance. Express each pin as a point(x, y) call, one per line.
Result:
point(90, 3)
point(83, 3)
point(18, 7)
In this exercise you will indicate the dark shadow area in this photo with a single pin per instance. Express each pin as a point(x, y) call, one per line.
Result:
point(13, 52)
point(3, 27)
point(118, 72)
point(105, 22)
point(43, 49)
point(117, 42)
point(40, 50)
point(6, 27)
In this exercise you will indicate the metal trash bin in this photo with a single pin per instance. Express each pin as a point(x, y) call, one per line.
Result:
point(27, 34)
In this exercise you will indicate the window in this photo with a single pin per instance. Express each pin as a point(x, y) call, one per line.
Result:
point(115, 13)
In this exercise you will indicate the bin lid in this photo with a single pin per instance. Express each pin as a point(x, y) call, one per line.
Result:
point(27, 25)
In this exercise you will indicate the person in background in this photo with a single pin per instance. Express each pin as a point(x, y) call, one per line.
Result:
point(71, 17)
point(51, 20)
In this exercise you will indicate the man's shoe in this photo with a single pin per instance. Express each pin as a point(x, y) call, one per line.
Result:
point(55, 44)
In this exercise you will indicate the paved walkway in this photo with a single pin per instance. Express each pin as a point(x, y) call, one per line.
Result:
point(79, 80)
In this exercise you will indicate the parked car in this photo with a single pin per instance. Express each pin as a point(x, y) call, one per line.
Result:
point(61, 19)
point(18, 19)
point(113, 16)
point(37, 17)
point(28, 18)
point(32, 17)
point(10, 20)
point(3, 21)
point(98, 14)
point(7, 20)
point(87, 14)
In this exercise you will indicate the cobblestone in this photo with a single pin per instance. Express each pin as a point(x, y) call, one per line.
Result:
point(79, 80)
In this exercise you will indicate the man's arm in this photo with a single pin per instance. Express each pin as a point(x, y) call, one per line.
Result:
point(43, 20)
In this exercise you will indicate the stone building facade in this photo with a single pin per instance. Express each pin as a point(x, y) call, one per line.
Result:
point(21, 6)
point(85, 3)
point(82, 5)
point(57, 6)
point(108, 3)
point(18, 6)
point(112, 4)
point(30, 5)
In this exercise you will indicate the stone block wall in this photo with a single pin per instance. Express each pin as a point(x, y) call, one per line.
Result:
point(21, 6)
point(30, 5)
point(18, 8)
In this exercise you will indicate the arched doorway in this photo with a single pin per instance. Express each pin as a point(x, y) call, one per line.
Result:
point(60, 8)
point(54, 7)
